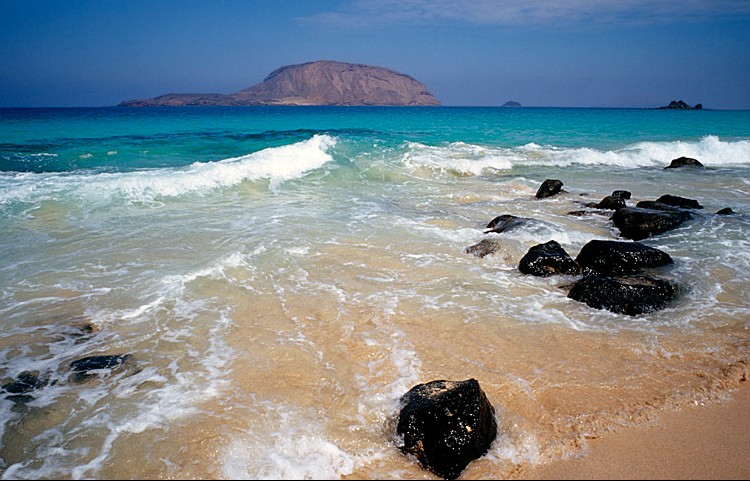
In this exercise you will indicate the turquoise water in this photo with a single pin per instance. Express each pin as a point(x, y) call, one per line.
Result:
point(281, 276)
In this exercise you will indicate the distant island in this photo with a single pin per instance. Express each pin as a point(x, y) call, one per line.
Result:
point(321, 82)
point(511, 104)
point(680, 105)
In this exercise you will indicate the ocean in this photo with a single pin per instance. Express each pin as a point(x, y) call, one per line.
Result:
point(278, 277)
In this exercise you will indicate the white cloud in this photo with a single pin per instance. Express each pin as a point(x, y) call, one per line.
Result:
point(524, 12)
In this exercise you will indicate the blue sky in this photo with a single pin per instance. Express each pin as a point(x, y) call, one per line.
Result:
point(562, 53)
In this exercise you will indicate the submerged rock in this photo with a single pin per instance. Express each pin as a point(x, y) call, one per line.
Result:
point(631, 295)
point(503, 223)
point(446, 425)
point(484, 248)
point(84, 368)
point(548, 259)
point(549, 188)
point(616, 258)
point(24, 383)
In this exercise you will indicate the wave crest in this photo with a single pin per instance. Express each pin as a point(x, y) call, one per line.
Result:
point(470, 159)
point(276, 164)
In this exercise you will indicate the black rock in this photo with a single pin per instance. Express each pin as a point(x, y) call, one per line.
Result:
point(684, 162)
point(725, 211)
point(678, 201)
point(638, 223)
point(615, 258)
point(611, 202)
point(446, 425)
point(623, 194)
point(484, 248)
point(548, 259)
point(503, 223)
point(631, 295)
point(25, 382)
point(83, 367)
point(20, 398)
point(549, 188)
point(654, 205)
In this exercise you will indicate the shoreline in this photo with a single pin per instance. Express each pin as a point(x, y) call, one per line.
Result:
point(704, 441)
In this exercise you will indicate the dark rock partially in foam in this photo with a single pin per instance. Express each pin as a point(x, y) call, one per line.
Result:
point(684, 162)
point(631, 295)
point(86, 367)
point(504, 223)
point(637, 223)
point(549, 188)
point(616, 258)
point(446, 425)
point(548, 259)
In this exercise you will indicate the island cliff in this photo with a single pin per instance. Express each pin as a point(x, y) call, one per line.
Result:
point(315, 83)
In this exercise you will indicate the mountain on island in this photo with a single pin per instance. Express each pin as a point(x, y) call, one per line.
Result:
point(322, 82)
point(511, 104)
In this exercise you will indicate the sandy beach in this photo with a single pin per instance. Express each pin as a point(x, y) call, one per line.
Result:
point(697, 442)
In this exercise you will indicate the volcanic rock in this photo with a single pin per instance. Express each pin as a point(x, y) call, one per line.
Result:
point(548, 259)
point(446, 425)
point(616, 258)
point(684, 162)
point(315, 83)
point(504, 222)
point(637, 223)
point(631, 295)
point(549, 188)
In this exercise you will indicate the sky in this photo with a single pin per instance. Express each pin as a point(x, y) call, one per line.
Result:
point(541, 53)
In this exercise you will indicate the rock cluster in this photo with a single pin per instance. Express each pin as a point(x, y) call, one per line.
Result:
point(611, 273)
point(21, 389)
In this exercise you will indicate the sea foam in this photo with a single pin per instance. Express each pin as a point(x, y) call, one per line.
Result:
point(470, 159)
point(276, 164)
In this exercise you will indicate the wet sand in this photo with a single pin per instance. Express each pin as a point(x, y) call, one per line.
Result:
point(697, 442)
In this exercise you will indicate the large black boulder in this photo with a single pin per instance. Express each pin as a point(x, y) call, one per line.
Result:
point(549, 188)
point(637, 223)
point(684, 162)
point(615, 258)
point(632, 295)
point(446, 425)
point(548, 259)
